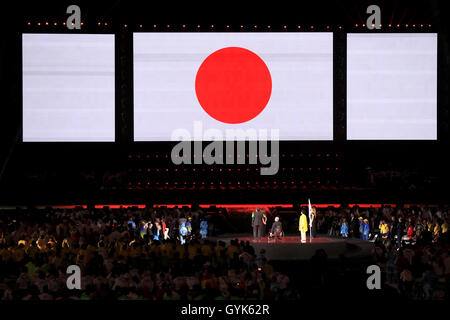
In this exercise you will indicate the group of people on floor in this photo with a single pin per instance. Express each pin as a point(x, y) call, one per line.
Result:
point(362, 231)
point(394, 224)
point(259, 222)
point(129, 254)
point(394, 229)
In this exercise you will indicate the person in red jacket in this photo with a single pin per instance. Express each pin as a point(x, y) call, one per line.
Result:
point(410, 232)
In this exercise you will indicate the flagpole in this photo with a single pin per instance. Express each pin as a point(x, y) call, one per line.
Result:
point(310, 220)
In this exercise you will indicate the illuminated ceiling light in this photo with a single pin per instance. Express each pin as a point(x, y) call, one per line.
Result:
point(256, 27)
point(242, 26)
point(328, 27)
point(398, 26)
point(125, 25)
point(268, 27)
point(406, 25)
point(184, 26)
point(46, 23)
point(421, 25)
point(212, 26)
point(29, 23)
point(429, 26)
point(106, 23)
point(198, 26)
point(340, 27)
point(312, 27)
point(98, 23)
point(414, 25)
point(82, 23)
point(284, 27)
point(64, 23)
point(168, 26)
point(299, 27)
point(38, 23)
point(140, 26)
point(364, 25)
point(390, 25)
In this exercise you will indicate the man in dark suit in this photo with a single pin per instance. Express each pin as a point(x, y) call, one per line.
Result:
point(354, 226)
point(257, 224)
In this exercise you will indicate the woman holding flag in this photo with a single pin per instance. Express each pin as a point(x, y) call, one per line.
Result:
point(312, 220)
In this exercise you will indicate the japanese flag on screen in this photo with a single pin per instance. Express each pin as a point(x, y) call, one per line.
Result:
point(261, 81)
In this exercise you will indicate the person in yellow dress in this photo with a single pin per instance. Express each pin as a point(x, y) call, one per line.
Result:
point(303, 226)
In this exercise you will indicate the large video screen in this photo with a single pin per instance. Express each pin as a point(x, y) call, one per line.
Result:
point(198, 82)
point(392, 86)
point(68, 87)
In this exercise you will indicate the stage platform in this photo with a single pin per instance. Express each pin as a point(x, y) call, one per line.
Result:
point(291, 248)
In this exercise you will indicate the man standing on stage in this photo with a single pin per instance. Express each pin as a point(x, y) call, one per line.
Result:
point(257, 224)
point(354, 226)
point(303, 226)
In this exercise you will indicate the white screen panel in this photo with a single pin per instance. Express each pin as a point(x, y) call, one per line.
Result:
point(392, 86)
point(68, 87)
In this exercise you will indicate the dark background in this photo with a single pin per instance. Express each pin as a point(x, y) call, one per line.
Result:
point(124, 171)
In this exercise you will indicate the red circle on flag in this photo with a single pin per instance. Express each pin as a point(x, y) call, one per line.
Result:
point(233, 85)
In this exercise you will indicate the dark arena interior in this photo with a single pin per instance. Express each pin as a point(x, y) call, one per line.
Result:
point(119, 179)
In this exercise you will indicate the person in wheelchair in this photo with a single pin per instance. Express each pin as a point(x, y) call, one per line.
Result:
point(277, 229)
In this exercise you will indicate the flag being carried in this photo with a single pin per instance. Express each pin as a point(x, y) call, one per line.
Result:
point(311, 218)
point(310, 212)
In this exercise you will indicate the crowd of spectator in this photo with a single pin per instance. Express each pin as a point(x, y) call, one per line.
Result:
point(411, 245)
point(139, 253)
point(128, 254)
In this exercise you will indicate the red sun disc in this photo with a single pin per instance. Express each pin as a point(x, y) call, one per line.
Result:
point(233, 85)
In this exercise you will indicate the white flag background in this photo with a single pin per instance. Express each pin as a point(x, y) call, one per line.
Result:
point(300, 64)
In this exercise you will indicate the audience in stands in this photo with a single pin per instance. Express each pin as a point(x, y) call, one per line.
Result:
point(137, 254)
point(128, 255)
